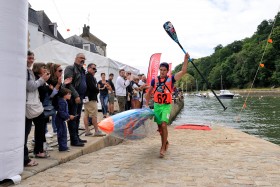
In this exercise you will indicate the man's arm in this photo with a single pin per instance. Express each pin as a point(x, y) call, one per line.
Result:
point(148, 95)
point(69, 72)
point(183, 71)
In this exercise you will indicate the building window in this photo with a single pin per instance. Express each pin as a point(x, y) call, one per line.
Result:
point(86, 47)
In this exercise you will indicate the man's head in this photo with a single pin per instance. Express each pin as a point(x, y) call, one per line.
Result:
point(80, 59)
point(91, 68)
point(30, 58)
point(128, 73)
point(140, 76)
point(122, 73)
point(163, 69)
point(111, 76)
point(144, 79)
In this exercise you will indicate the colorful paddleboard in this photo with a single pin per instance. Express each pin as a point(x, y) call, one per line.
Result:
point(131, 124)
point(194, 127)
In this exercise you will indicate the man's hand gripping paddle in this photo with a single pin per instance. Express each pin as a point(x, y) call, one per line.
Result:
point(169, 28)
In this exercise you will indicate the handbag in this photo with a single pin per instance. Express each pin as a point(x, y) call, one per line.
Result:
point(33, 110)
point(49, 110)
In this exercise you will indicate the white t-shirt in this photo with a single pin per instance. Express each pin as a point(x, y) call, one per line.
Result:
point(121, 85)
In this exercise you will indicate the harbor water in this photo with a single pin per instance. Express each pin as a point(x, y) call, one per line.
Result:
point(260, 117)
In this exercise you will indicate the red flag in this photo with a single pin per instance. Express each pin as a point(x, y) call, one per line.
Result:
point(170, 69)
point(153, 67)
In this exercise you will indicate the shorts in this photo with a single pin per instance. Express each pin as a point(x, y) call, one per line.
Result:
point(90, 109)
point(162, 113)
point(111, 98)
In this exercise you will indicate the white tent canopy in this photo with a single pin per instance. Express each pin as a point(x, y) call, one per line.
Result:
point(64, 54)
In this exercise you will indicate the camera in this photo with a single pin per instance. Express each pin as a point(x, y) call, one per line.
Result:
point(85, 100)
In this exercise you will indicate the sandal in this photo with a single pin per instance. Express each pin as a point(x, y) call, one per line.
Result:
point(31, 163)
point(42, 155)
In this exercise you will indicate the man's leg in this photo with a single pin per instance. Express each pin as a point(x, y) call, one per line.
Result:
point(164, 136)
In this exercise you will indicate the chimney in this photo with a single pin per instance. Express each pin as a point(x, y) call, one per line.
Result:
point(53, 27)
point(85, 31)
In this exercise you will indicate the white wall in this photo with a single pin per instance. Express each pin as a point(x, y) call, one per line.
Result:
point(36, 37)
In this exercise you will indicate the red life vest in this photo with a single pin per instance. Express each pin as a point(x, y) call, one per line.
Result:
point(163, 90)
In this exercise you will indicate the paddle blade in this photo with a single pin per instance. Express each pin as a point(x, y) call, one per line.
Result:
point(168, 27)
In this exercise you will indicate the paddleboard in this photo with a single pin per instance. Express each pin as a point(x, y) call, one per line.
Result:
point(130, 124)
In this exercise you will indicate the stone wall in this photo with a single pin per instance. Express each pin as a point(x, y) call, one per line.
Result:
point(177, 106)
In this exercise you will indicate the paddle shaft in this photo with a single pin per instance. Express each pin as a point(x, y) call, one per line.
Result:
point(207, 83)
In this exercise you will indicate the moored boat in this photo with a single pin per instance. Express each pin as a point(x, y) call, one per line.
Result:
point(225, 94)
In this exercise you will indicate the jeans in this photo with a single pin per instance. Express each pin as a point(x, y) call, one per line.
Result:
point(104, 103)
point(40, 126)
point(53, 123)
point(73, 127)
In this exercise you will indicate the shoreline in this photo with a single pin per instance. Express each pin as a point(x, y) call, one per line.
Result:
point(271, 92)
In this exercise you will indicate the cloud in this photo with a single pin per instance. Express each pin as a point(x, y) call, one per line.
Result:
point(133, 30)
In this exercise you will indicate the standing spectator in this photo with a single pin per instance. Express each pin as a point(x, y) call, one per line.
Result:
point(111, 94)
point(145, 86)
point(61, 118)
point(129, 90)
point(39, 69)
point(33, 114)
point(55, 82)
point(136, 94)
point(121, 84)
point(78, 88)
point(91, 109)
point(104, 88)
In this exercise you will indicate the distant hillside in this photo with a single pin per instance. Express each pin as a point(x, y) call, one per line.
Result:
point(237, 63)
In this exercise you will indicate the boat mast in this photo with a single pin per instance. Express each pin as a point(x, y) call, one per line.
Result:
point(221, 81)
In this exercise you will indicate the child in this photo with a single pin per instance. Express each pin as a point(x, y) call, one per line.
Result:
point(61, 117)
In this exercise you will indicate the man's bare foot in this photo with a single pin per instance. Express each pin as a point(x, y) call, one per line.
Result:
point(166, 145)
point(161, 153)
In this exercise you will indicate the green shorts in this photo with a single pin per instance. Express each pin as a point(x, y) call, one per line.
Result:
point(162, 113)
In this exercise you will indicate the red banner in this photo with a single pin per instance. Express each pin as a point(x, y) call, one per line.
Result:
point(153, 67)
point(170, 69)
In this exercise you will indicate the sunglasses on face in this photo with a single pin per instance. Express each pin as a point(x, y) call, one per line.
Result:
point(30, 58)
point(60, 70)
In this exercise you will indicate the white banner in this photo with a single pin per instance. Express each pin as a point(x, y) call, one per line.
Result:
point(13, 52)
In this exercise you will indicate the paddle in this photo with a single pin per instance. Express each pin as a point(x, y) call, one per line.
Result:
point(169, 28)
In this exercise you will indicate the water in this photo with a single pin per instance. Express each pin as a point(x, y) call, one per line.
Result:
point(261, 117)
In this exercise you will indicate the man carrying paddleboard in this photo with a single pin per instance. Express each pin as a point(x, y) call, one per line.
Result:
point(161, 87)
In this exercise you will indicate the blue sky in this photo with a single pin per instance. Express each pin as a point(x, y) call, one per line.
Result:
point(133, 30)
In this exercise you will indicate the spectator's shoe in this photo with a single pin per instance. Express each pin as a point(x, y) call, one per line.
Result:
point(99, 133)
point(47, 147)
point(82, 141)
point(79, 144)
point(81, 128)
point(48, 135)
point(88, 134)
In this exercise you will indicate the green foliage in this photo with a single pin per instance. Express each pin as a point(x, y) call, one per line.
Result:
point(238, 63)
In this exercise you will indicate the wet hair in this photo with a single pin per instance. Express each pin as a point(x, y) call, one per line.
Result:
point(29, 53)
point(64, 91)
point(164, 64)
